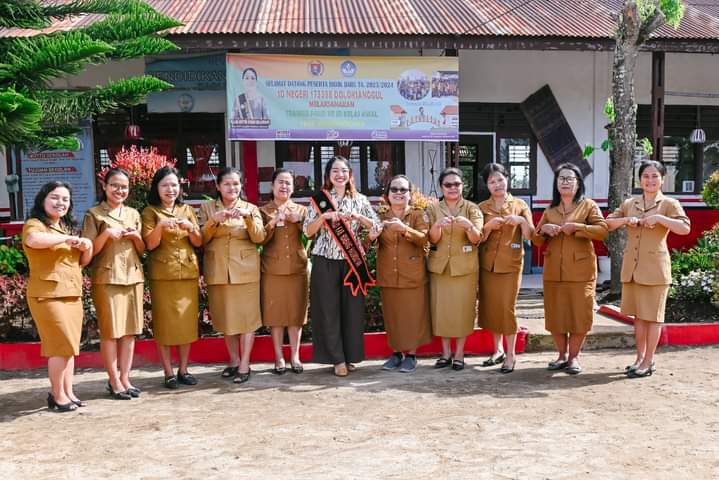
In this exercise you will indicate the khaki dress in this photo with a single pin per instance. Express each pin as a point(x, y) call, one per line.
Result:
point(232, 267)
point(284, 270)
point(501, 257)
point(117, 277)
point(174, 275)
point(54, 292)
point(402, 274)
point(570, 267)
point(646, 266)
point(453, 264)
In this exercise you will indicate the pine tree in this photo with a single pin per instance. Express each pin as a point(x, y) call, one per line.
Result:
point(33, 114)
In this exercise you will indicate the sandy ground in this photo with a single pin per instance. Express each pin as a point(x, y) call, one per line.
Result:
point(477, 424)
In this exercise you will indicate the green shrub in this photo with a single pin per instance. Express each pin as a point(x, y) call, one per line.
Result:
point(12, 259)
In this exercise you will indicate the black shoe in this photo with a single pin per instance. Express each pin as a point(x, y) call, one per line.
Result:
point(458, 365)
point(443, 362)
point(171, 382)
point(242, 377)
point(134, 392)
point(279, 370)
point(52, 404)
point(79, 403)
point(229, 372)
point(186, 378)
point(492, 361)
point(508, 368)
point(641, 373)
point(121, 395)
point(297, 368)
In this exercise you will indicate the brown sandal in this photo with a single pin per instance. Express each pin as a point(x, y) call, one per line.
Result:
point(340, 370)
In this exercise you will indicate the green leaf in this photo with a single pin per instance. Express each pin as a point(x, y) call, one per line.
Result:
point(673, 11)
point(647, 146)
point(607, 145)
point(588, 151)
point(34, 61)
point(139, 47)
point(20, 117)
point(22, 14)
point(609, 110)
point(122, 27)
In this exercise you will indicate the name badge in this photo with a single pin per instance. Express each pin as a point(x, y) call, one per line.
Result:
point(516, 245)
point(467, 249)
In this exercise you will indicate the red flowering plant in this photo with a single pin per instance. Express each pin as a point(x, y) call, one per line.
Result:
point(141, 163)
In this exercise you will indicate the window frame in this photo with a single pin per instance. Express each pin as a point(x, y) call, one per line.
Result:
point(505, 134)
point(398, 162)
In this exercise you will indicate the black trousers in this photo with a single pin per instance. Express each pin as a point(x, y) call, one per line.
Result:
point(337, 317)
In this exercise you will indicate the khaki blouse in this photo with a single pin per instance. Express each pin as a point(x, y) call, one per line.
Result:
point(454, 248)
point(174, 258)
point(283, 252)
point(503, 250)
point(401, 257)
point(646, 256)
point(118, 263)
point(231, 255)
point(571, 258)
point(55, 271)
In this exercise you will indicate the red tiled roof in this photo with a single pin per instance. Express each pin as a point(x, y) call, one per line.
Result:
point(516, 18)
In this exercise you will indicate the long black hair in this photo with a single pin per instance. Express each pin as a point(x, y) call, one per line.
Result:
point(111, 173)
point(350, 188)
point(556, 197)
point(153, 196)
point(222, 174)
point(67, 221)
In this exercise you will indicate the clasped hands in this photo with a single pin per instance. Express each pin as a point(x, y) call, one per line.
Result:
point(553, 230)
point(181, 223)
point(460, 221)
point(334, 216)
point(498, 222)
point(127, 232)
point(392, 225)
point(285, 216)
point(647, 222)
point(229, 213)
point(82, 244)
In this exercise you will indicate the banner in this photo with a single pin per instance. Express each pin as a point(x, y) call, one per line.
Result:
point(75, 168)
point(199, 84)
point(294, 97)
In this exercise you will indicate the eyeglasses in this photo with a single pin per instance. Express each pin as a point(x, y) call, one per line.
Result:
point(398, 189)
point(566, 179)
point(452, 184)
point(119, 188)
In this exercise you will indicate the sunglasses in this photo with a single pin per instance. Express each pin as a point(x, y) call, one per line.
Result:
point(398, 189)
point(452, 184)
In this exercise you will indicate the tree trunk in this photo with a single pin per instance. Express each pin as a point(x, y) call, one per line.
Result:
point(623, 133)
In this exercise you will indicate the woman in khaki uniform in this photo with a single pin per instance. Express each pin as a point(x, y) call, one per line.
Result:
point(453, 263)
point(170, 231)
point(501, 255)
point(284, 270)
point(54, 289)
point(646, 266)
point(570, 265)
point(231, 230)
point(402, 275)
point(117, 279)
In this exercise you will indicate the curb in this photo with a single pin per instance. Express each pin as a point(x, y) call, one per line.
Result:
point(685, 334)
point(26, 356)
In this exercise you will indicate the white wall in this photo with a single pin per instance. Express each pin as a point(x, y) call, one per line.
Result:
point(95, 75)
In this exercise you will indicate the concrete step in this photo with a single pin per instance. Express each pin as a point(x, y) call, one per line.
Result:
point(605, 333)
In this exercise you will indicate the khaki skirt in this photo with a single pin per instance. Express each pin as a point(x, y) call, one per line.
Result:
point(235, 308)
point(406, 317)
point(497, 301)
point(568, 306)
point(645, 302)
point(59, 323)
point(175, 311)
point(453, 302)
point(119, 309)
point(284, 300)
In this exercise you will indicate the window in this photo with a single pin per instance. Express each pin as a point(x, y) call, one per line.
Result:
point(518, 154)
point(688, 164)
point(373, 163)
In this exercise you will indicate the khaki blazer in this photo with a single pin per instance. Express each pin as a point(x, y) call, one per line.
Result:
point(174, 258)
point(454, 248)
point(118, 263)
point(646, 256)
point(401, 257)
point(283, 252)
point(571, 258)
point(55, 271)
point(503, 250)
point(231, 255)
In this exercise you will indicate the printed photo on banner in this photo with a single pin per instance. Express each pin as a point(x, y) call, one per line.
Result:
point(299, 97)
